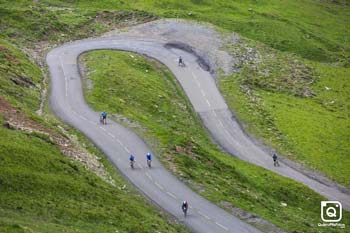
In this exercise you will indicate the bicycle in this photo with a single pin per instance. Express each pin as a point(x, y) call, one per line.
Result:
point(149, 163)
point(149, 159)
point(132, 161)
point(275, 161)
point(184, 209)
point(103, 118)
point(181, 62)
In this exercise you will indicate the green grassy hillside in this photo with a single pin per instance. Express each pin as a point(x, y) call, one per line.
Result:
point(20, 78)
point(145, 93)
point(26, 22)
point(312, 129)
point(312, 29)
point(315, 30)
point(299, 107)
point(42, 190)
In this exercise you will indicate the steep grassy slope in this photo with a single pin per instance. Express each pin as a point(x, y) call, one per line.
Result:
point(146, 94)
point(300, 108)
point(312, 29)
point(317, 30)
point(41, 189)
point(20, 79)
point(26, 23)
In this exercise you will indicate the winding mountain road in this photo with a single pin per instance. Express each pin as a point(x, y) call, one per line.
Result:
point(118, 142)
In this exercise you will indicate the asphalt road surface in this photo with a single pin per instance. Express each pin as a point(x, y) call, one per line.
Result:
point(117, 142)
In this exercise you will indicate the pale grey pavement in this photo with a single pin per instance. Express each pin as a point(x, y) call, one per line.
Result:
point(118, 142)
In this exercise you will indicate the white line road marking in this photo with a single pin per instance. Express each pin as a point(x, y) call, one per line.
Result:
point(149, 176)
point(223, 227)
point(158, 185)
point(202, 92)
point(214, 113)
point(127, 150)
point(92, 122)
point(119, 142)
point(208, 102)
point(82, 117)
point(111, 135)
point(228, 134)
point(203, 215)
point(103, 128)
point(65, 77)
point(194, 76)
point(172, 195)
point(221, 124)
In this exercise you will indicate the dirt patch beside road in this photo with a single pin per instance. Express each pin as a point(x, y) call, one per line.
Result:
point(68, 144)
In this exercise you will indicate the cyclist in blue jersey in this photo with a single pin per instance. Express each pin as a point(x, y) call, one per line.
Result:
point(149, 159)
point(132, 160)
point(104, 118)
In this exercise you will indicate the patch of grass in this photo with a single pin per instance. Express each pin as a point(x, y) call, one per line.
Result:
point(26, 25)
point(43, 191)
point(147, 94)
point(261, 67)
point(300, 108)
point(19, 77)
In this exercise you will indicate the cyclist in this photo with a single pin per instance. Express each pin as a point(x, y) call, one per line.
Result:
point(132, 160)
point(181, 62)
point(275, 162)
point(184, 207)
point(149, 159)
point(104, 118)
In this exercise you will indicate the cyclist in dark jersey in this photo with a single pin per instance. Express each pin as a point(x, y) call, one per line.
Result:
point(184, 207)
point(104, 118)
point(275, 162)
point(181, 62)
point(132, 160)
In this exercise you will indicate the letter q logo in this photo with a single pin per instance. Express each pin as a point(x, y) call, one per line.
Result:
point(331, 211)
